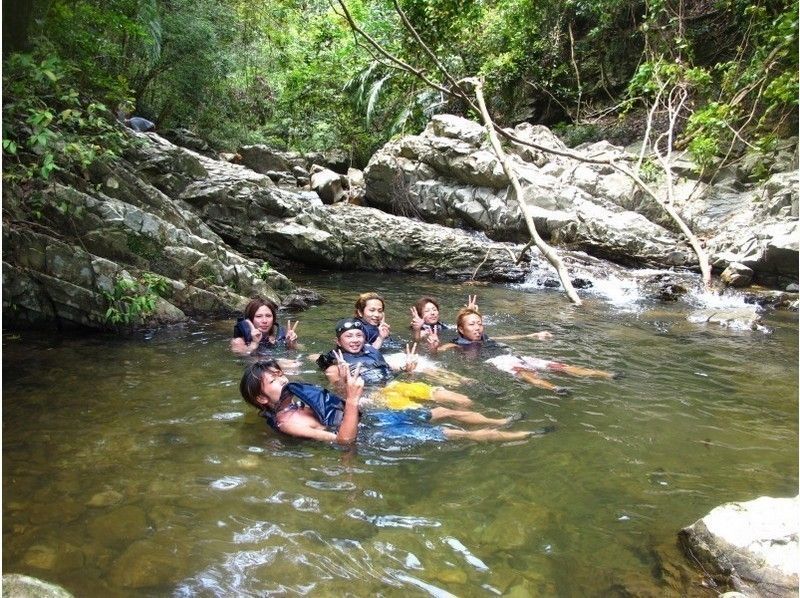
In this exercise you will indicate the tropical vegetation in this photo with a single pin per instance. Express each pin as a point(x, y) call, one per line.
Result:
point(292, 73)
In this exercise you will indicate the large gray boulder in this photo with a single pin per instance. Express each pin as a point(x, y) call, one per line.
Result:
point(118, 231)
point(749, 546)
point(448, 175)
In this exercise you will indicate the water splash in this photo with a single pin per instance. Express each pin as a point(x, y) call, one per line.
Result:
point(729, 299)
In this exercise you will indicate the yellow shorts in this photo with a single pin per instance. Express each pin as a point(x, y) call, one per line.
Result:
point(402, 395)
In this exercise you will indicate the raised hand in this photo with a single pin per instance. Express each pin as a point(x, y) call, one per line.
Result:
point(416, 319)
point(255, 333)
point(341, 365)
point(433, 341)
point(354, 384)
point(411, 357)
point(384, 330)
point(472, 302)
point(291, 331)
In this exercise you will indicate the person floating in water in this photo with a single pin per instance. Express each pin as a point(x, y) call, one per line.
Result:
point(351, 350)
point(309, 411)
point(472, 339)
point(259, 333)
point(369, 309)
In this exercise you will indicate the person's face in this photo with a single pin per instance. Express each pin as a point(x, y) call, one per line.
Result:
point(373, 312)
point(272, 382)
point(351, 341)
point(263, 319)
point(471, 327)
point(430, 313)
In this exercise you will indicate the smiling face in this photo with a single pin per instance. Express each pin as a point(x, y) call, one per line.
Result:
point(351, 341)
point(372, 312)
point(263, 319)
point(430, 314)
point(470, 326)
point(272, 383)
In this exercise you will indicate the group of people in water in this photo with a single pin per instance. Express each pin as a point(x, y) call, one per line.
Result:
point(392, 410)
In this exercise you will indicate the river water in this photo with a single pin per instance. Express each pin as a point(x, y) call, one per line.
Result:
point(132, 467)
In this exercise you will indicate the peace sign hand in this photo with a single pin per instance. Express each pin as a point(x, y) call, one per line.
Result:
point(291, 334)
point(472, 302)
point(411, 357)
point(354, 384)
point(416, 319)
point(341, 365)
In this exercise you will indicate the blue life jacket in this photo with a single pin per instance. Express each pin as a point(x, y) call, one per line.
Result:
point(374, 368)
point(371, 333)
point(328, 408)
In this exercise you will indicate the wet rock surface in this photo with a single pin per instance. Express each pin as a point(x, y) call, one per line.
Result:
point(749, 546)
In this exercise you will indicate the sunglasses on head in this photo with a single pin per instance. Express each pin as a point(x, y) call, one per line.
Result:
point(349, 325)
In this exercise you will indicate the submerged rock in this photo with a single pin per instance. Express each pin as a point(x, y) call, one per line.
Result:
point(750, 546)
point(16, 585)
point(737, 318)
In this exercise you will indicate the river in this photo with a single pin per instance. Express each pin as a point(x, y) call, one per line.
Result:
point(132, 467)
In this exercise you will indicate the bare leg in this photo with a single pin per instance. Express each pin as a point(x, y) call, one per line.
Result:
point(467, 417)
point(531, 377)
point(485, 434)
point(574, 370)
point(446, 378)
point(442, 395)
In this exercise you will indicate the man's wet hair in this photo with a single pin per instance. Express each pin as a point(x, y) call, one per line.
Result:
point(250, 385)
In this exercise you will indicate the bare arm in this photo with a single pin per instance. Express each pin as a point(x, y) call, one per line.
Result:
point(348, 429)
point(240, 347)
point(435, 346)
point(544, 335)
point(301, 424)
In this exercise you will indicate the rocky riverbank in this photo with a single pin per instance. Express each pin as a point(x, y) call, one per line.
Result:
point(214, 231)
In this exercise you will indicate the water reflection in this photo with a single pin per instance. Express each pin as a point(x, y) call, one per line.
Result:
point(166, 483)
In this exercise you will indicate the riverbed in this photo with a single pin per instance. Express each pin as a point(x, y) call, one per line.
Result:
point(132, 467)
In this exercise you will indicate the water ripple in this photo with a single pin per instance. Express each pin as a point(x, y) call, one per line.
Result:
point(408, 522)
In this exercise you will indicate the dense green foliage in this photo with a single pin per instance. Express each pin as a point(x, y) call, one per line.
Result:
point(291, 73)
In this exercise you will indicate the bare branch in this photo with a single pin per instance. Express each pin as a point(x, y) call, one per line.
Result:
point(546, 250)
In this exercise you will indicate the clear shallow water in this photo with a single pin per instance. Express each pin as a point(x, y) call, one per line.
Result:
point(131, 467)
